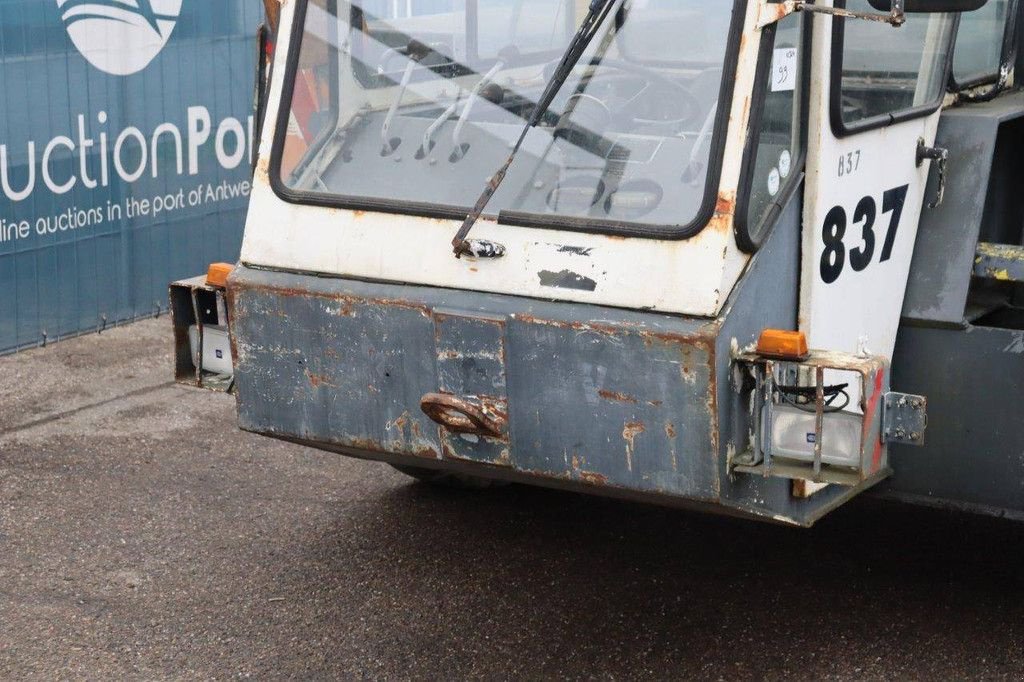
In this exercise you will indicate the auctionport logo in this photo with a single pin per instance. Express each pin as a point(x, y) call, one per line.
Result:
point(120, 37)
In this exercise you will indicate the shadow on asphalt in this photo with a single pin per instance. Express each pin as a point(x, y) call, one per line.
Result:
point(531, 581)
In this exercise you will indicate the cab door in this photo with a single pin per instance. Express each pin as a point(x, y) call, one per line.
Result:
point(874, 110)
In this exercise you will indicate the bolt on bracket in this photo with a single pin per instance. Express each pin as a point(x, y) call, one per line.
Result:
point(904, 418)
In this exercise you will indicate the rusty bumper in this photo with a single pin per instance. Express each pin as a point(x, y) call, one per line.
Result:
point(602, 397)
point(607, 401)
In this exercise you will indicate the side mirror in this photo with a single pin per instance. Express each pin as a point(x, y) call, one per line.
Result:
point(917, 6)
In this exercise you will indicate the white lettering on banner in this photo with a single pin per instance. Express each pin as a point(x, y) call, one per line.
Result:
point(71, 219)
point(197, 136)
point(13, 231)
point(234, 126)
point(5, 180)
point(84, 144)
point(162, 150)
point(119, 147)
point(76, 218)
point(104, 173)
point(233, 144)
point(172, 130)
point(119, 37)
point(59, 141)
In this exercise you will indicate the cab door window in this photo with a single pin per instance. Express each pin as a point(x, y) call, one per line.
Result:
point(774, 162)
point(883, 75)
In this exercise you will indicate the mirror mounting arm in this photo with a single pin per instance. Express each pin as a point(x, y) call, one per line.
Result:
point(772, 12)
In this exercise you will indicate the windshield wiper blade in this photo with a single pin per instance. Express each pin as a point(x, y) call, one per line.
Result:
point(596, 15)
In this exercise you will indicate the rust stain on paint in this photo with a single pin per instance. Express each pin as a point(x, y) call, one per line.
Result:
point(617, 397)
point(629, 433)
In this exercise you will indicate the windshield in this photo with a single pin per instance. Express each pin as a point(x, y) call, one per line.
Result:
point(415, 104)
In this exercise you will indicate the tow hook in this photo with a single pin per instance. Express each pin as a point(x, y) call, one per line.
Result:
point(464, 415)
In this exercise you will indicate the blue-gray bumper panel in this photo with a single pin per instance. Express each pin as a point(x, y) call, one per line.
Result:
point(604, 397)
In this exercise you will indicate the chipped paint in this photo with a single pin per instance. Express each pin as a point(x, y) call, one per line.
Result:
point(566, 279)
point(593, 478)
point(263, 169)
point(580, 474)
point(617, 397)
point(773, 12)
point(805, 489)
point(576, 250)
point(726, 203)
point(1001, 262)
point(629, 433)
point(318, 380)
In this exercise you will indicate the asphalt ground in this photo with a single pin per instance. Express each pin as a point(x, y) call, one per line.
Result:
point(143, 537)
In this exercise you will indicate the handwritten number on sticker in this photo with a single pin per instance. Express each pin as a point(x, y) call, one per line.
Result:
point(833, 231)
point(785, 66)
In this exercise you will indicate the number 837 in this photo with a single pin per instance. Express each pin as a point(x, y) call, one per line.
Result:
point(835, 256)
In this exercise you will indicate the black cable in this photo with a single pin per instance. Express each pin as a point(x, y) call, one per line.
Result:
point(805, 397)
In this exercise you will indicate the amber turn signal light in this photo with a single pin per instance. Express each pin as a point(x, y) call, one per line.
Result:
point(782, 345)
point(217, 275)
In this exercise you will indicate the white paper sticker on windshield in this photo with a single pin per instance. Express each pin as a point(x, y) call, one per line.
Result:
point(784, 69)
point(774, 182)
point(785, 163)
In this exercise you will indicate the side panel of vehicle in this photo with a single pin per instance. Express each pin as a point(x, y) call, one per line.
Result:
point(962, 338)
point(974, 455)
point(979, 186)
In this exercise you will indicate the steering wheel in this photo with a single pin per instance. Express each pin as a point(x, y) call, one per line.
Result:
point(624, 111)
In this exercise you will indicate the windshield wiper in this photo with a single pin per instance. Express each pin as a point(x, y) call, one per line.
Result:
point(596, 15)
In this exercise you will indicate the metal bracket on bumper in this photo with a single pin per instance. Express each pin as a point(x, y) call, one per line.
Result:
point(202, 351)
point(797, 431)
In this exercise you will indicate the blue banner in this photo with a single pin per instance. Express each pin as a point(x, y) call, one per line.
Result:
point(125, 155)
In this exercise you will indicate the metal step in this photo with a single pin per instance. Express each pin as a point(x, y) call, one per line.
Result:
point(1002, 262)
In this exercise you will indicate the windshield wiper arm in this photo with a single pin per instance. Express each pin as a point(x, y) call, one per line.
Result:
point(596, 15)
